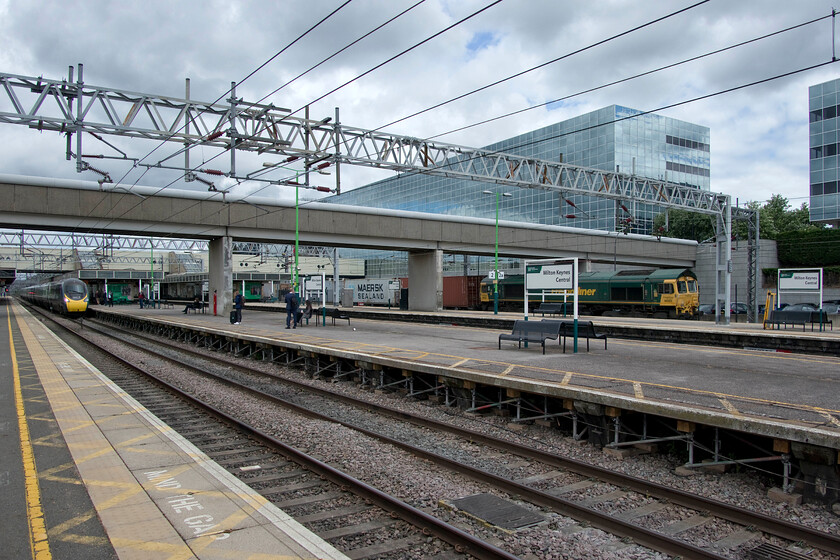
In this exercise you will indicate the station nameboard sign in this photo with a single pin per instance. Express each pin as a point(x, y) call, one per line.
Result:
point(801, 280)
point(550, 276)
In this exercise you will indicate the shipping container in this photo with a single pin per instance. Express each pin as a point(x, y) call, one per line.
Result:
point(461, 292)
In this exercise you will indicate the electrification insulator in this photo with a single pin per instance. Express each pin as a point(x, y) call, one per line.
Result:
point(214, 135)
point(212, 171)
point(323, 165)
point(323, 189)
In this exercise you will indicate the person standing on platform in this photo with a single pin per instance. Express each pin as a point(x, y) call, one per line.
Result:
point(238, 304)
point(291, 309)
point(142, 299)
point(110, 297)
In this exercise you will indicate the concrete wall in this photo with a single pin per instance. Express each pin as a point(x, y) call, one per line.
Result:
point(705, 270)
point(425, 281)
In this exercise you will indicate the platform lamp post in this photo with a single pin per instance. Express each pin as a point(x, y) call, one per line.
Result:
point(496, 271)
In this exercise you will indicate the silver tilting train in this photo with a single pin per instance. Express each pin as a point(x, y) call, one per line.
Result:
point(68, 296)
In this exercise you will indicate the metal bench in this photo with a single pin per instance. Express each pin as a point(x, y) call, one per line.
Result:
point(780, 317)
point(196, 307)
point(586, 329)
point(532, 331)
point(336, 313)
point(551, 308)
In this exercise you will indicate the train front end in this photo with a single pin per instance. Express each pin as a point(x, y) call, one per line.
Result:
point(74, 294)
point(687, 297)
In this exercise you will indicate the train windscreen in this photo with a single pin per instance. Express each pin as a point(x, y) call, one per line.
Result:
point(75, 289)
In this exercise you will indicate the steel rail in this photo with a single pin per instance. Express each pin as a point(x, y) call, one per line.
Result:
point(785, 529)
point(645, 537)
point(461, 540)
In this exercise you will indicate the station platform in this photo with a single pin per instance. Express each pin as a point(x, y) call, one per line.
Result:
point(785, 395)
point(90, 473)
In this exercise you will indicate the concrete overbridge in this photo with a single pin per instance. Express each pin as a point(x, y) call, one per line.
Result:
point(221, 218)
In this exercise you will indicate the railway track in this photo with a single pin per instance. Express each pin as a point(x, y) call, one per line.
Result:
point(588, 494)
point(356, 518)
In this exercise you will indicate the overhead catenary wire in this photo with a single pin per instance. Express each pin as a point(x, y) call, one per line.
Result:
point(547, 63)
point(229, 90)
point(342, 49)
point(249, 75)
point(537, 226)
point(398, 55)
point(336, 89)
point(606, 85)
point(654, 110)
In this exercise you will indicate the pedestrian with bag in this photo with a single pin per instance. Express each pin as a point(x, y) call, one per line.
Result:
point(292, 305)
point(238, 304)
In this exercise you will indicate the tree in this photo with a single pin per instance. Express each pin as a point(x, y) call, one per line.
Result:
point(684, 224)
point(775, 219)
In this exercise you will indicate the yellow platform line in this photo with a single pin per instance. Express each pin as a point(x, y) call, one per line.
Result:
point(38, 541)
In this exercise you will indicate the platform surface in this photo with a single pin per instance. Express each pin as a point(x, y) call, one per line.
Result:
point(785, 392)
point(155, 494)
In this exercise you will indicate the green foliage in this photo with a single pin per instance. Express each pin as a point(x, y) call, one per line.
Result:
point(776, 219)
point(831, 276)
point(814, 248)
point(683, 224)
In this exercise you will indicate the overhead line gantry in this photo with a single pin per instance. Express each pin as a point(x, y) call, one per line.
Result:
point(73, 107)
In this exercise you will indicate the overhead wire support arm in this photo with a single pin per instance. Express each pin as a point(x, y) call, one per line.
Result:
point(265, 129)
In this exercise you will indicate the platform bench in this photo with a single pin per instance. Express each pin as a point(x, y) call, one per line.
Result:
point(586, 329)
point(779, 317)
point(532, 331)
point(195, 308)
point(336, 313)
point(551, 308)
point(821, 319)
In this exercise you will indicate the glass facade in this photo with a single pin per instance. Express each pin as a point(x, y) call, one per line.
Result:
point(614, 138)
point(824, 146)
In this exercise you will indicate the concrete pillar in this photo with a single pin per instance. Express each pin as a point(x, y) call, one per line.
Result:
point(425, 281)
point(220, 274)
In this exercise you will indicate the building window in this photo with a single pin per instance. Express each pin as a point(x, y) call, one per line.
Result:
point(682, 168)
point(685, 143)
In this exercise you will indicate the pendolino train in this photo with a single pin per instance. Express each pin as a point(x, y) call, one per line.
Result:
point(68, 296)
point(671, 293)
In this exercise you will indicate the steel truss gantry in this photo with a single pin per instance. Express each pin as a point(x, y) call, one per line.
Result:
point(72, 107)
point(46, 240)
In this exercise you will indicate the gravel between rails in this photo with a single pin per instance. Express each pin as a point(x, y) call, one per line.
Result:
point(421, 485)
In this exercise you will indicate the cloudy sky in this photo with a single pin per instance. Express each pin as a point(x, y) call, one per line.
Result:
point(759, 135)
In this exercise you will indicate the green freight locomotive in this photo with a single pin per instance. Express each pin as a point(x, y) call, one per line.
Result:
point(671, 293)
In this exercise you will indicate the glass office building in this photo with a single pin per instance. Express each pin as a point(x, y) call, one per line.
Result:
point(614, 138)
point(824, 105)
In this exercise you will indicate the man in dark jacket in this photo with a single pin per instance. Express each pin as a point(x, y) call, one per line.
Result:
point(291, 309)
point(238, 304)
